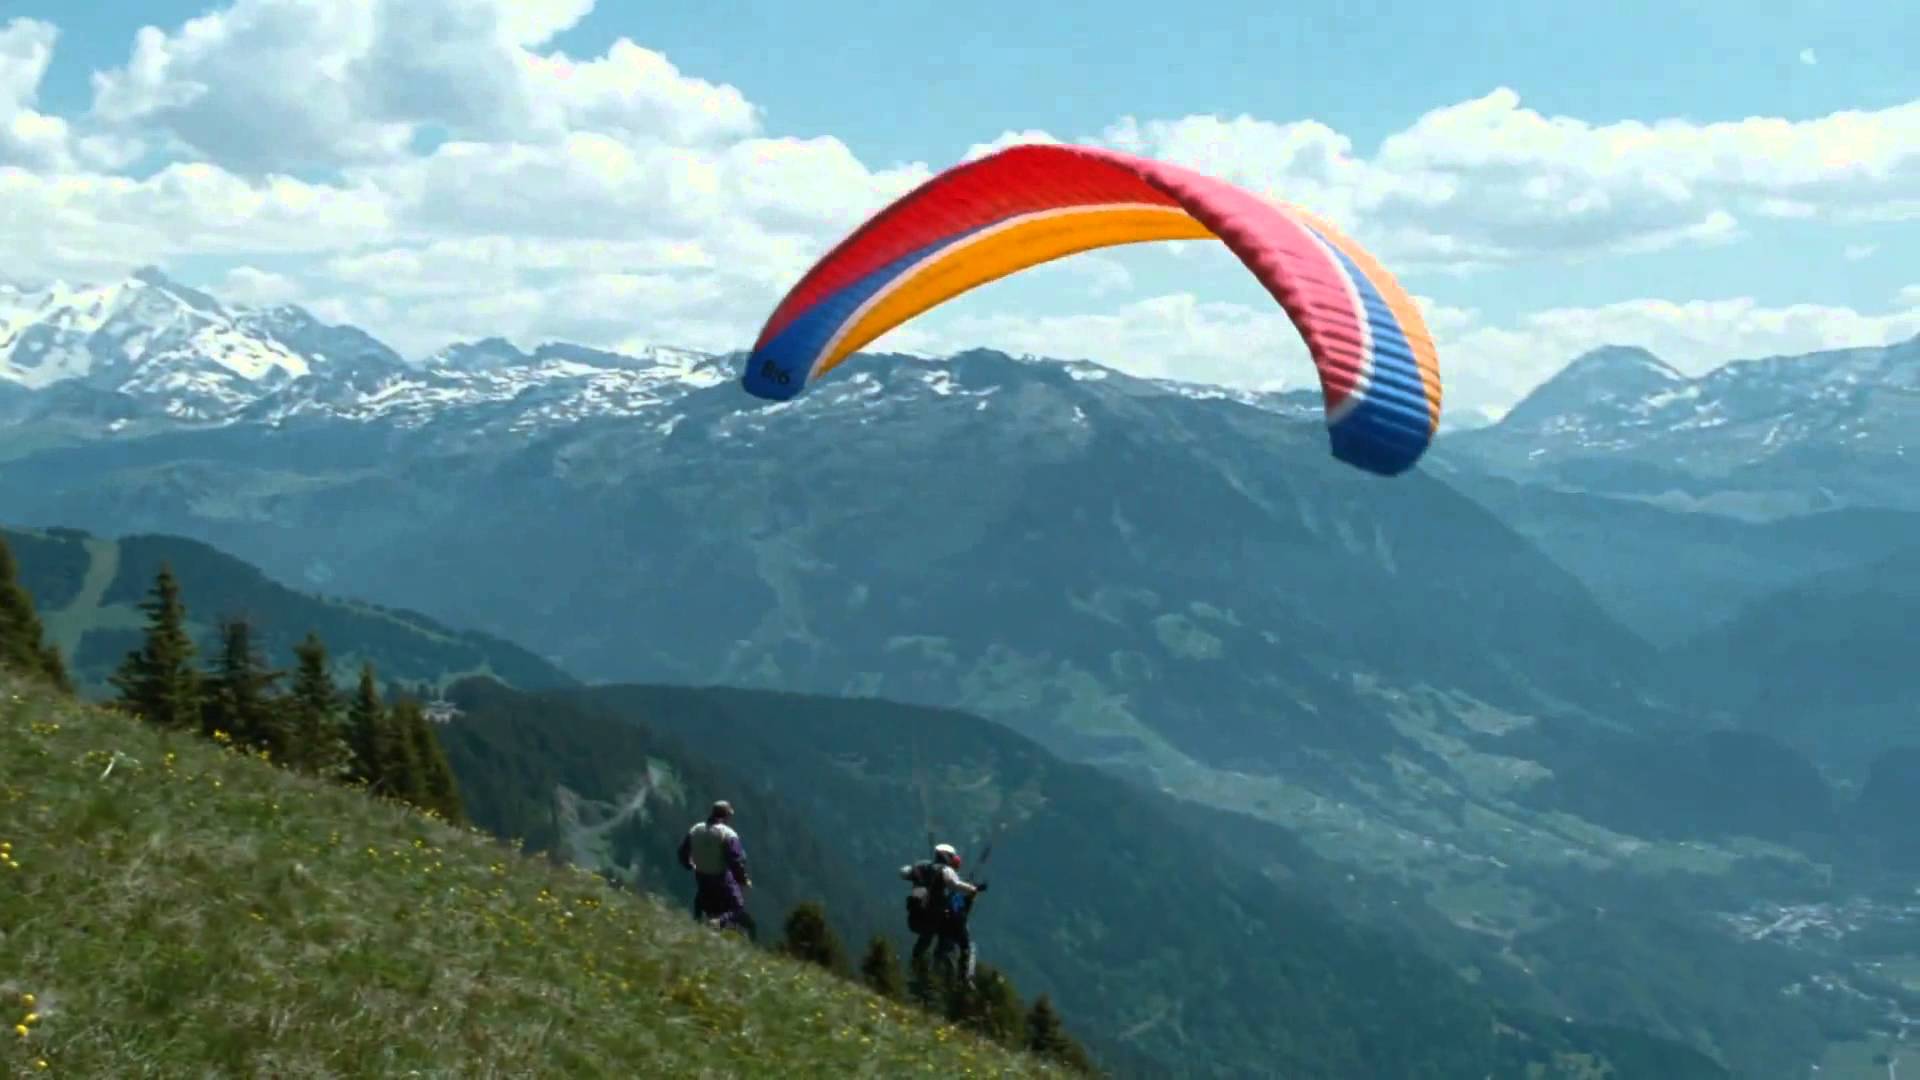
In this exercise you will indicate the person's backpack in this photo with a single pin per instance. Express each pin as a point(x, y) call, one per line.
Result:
point(923, 906)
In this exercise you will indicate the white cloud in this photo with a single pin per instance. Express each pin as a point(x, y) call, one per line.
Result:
point(251, 286)
point(1103, 275)
point(558, 177)
point(270, 85)
point(634, 92)
point(265, 84)
point(1857, 252)
point(28, 138)
point(1507, 180)
point(1808, 58)
point(1489, 181)
point(1030, 137)
point(94, 224)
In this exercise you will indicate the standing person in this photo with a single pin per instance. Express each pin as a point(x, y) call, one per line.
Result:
point(939, 905)
point(712, 850)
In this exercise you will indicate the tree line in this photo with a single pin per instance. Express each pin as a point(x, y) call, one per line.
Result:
point(297, 719)
point(389, 747)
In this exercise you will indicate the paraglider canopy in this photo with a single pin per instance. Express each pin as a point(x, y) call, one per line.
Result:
point(1026, 205)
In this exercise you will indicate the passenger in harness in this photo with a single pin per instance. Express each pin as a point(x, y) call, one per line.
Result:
point(938, 907)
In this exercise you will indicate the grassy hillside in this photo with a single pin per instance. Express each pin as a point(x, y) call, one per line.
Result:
point(174, 909)
point(88, 590)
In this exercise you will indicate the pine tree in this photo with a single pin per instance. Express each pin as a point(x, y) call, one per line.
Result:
point(157, 682)
point(443, 788)
point(433, 784)
point(810, 938)
point(400, 752)
point(1045, 1032)
point(239, 697)
point(22, 640)
point(366, 720)
point(318, 744)
point(1047, 1036)
point(880, 969)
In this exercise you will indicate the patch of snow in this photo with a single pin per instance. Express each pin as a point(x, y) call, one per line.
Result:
point(1668, 397)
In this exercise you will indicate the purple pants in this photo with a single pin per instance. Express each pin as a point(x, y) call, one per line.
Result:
point(718, 897)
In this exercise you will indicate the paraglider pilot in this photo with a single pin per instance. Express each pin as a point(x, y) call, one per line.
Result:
point(712, 850)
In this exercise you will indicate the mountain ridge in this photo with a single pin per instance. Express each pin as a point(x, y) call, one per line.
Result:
point(88, 590)
point(1762, 438)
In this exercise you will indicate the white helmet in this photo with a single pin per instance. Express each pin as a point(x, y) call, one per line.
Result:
point(946, 854)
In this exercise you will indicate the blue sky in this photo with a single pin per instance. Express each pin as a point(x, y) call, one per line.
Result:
point(1763, 245)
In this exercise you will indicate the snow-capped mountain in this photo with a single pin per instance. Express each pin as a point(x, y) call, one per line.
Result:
point(149, 352)
point(146, 337)
point(1613, 384)
point(548, 387)
point(1758, 438)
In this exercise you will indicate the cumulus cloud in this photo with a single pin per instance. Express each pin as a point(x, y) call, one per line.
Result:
point(1489, 181)
point(286, 85)
point(1031, 137)
point(28, 138)
point(617, 163)
point(95, 224)
point(251, 286)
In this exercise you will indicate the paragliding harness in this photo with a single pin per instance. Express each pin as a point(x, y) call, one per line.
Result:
point(930, 905)
point(924, 901)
